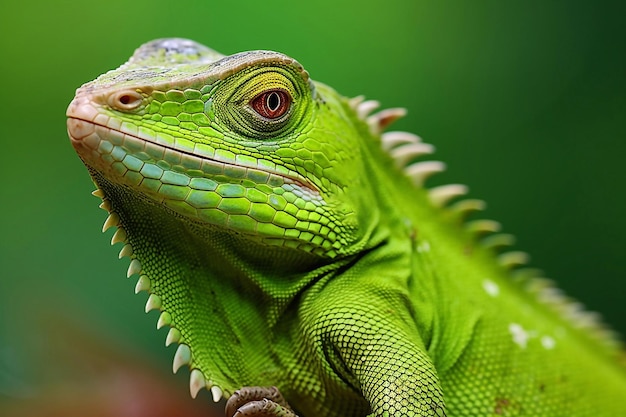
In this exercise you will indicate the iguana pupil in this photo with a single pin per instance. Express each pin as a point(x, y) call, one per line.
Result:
point(271, 104)
point(273, 101)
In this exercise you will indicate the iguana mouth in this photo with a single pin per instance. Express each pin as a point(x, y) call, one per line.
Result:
point(88, 129)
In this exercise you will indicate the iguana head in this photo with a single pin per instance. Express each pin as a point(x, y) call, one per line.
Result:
point(234, 181)
point(245, 142)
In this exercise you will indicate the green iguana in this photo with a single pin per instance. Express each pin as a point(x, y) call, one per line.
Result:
point(289, 242)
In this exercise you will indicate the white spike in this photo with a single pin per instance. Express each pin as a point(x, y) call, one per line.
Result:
point(527, 277)
point(535, 284)
point(355, 101)
point(217, 393)
point(133, 268)
point(173, 336)
point(420, 171)
point(392, 139)
point(573, 308)
point(608, 337)
point(381, 120)
point(587, 319)
point(126, 250)
point(181, 357)
point(512, 259)
point(469, 205)
point(153, 303)
point(119, 236)
point(483, 226)
point(112, 220)
point(165, 319)
point(196, 382)
point(440, 196)
point(98, 193)
point(143, 284)
point(554, 297)
point(406, 153)
point(365, 108)
point(498, 241)
point(105, 205)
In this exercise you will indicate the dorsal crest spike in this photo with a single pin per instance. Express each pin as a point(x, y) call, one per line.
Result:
point(498, 241)
point(364, 108)
point(381, 120)
point(355, 101)
point(420, 171)
point(483, 226)
point(510, 260)
point(407, 153)
point(396, 138)
point(442, 195)
point(535, 284)
point(464, 207)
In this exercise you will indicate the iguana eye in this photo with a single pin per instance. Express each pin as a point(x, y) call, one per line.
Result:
point(271, 104)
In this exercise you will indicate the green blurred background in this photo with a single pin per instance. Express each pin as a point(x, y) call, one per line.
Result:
point(525, 101)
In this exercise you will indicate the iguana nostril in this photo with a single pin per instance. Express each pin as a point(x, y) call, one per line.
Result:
point(125, 100)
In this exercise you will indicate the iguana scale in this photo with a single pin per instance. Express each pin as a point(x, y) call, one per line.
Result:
point(289, 241)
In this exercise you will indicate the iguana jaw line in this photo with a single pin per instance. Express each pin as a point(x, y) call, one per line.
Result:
point(82, 124)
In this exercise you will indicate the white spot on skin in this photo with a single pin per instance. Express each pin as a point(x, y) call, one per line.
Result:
point(491, 288)
point(520, 336)
point(424, 247)
point(547, 342)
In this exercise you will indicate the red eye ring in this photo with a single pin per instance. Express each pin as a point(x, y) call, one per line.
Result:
point(271, 104)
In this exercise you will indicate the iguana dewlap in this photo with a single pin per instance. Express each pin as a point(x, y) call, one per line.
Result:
point(288, 242)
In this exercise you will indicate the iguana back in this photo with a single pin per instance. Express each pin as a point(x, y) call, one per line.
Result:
point(288, 241)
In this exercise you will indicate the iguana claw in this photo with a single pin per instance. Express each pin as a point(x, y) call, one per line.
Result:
point(258, 402)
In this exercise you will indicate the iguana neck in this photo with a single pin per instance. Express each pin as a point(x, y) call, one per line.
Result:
point(210, 290)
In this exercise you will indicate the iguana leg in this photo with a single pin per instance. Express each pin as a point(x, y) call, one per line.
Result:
point(258, 402)
point(370, 340)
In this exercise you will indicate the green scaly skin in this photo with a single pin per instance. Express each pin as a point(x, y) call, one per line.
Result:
point(287, 248)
